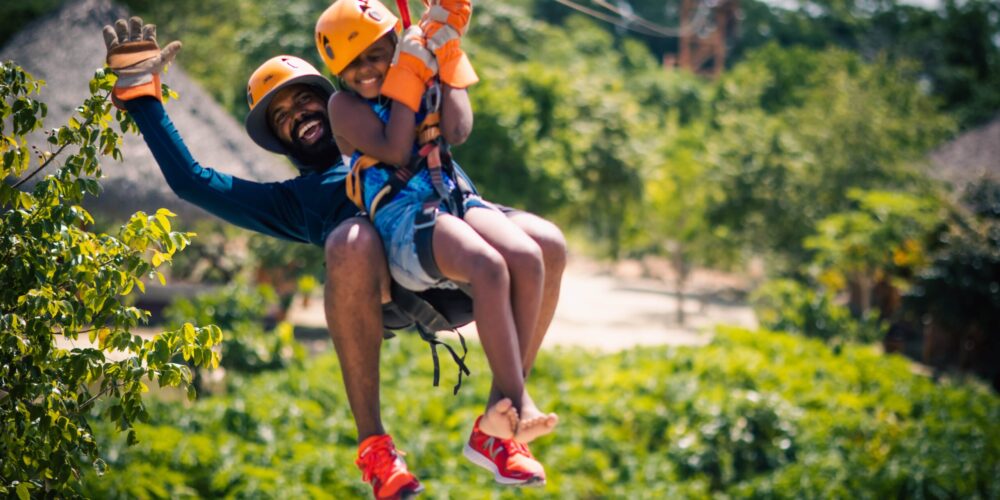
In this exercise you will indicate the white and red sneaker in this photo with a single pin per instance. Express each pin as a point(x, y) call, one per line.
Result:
point(511, 462)
point(383, 467)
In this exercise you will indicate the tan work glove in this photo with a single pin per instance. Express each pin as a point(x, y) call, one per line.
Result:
point(136, 58)
point(413, 66)
point(444, 23)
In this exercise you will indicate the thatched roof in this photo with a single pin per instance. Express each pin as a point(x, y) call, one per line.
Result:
point(970, 156)
point(66, 47)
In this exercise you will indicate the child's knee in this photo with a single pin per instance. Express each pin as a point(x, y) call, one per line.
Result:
point(489, 269)
point(526, 260)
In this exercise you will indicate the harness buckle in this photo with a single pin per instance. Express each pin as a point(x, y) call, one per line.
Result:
point(432, 98)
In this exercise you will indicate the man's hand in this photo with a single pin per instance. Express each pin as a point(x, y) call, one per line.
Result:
point(443, 24)
point(412, 68)
point(136, 58)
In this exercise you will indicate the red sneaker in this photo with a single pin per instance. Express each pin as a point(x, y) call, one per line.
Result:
point(510, 461)
point(383, 466)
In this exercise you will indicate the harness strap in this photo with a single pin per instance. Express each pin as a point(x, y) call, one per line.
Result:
point(459, 360)
point(423, 238)
point(353, 182)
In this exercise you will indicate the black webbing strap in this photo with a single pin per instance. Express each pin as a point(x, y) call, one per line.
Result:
point(423, 237)
point(427, 321)
point(459, 360)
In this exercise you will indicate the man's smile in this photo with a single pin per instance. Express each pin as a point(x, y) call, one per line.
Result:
point(309, 130)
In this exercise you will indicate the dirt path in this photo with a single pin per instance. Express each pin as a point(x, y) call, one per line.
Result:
point(614, 308)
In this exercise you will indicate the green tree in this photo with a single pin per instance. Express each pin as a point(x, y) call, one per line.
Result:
point(63, 281)
point(881, 242)
point(797, 130)
point(677, 197)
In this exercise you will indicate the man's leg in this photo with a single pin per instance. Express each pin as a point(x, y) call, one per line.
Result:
point(357, 282)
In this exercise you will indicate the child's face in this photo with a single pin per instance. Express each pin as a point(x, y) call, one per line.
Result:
point(366, 72)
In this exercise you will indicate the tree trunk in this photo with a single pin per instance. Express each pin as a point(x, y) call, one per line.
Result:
point(682, 268)
point(859, 289)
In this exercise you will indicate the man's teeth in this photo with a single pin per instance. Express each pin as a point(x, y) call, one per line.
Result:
point(307, 129)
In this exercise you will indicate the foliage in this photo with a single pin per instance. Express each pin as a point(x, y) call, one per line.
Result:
point(959, 291)
point(753, 414)
point(784, 157)
point(15, 15)
point(886, 230)
point(883, 240)
point(240, 311)
point(217, 256)
point(61, 281)
point(290, 268)
point(953, 43)
point(791, 306)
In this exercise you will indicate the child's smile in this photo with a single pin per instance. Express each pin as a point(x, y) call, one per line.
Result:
point(368, 86)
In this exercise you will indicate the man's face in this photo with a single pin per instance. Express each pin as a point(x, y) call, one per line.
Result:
point(297, 115)
point(366, 72)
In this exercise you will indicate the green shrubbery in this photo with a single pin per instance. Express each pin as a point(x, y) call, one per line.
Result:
point(63, 282)
point(754, 414)
point(240, 312)
point(791, 306)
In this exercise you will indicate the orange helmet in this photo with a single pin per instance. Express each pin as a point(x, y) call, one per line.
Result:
point(348, 27)
point(275, 74)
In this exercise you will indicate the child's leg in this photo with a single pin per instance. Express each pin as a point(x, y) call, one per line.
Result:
point(527, 273)
point(524, 262)
point(462, 255)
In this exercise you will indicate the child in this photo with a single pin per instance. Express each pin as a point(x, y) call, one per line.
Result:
point(357, 40)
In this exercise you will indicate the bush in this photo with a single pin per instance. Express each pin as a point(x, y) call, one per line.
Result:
point(241, 312)
point(789, 306)
point(63, 280)
point(753, 414)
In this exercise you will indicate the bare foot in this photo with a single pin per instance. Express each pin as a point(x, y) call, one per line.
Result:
point(534, 425)
point(500, 420)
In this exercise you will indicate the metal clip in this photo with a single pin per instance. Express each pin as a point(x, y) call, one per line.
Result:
point(432, 98)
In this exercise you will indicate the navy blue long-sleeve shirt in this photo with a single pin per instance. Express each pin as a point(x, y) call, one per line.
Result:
point(305, 208)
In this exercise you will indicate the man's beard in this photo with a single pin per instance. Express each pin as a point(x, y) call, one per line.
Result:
point(316, 156)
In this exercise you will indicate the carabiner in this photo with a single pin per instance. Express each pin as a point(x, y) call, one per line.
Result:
point(432, 98)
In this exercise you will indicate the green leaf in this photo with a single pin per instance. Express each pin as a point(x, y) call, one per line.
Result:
point(100, 467)
point(22, 491)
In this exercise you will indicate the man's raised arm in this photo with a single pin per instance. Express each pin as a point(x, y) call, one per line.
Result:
point(134, 55)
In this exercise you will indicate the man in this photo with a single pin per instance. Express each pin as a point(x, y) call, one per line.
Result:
point(287, 99)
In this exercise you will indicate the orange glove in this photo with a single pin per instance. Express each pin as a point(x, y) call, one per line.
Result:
point(444, 23)
point(412, 68)
point(454, 13)
point(136, 58)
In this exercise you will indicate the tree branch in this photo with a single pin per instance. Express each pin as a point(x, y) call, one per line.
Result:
point(86, 123)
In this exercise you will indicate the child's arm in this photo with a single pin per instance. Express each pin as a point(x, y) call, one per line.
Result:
point(356, 127)
point(456, 115)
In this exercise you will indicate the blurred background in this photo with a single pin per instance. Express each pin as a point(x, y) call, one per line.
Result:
point(784, 223)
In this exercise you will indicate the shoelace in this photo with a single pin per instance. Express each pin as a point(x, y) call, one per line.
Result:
point(517, 448)
point(378, 461)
